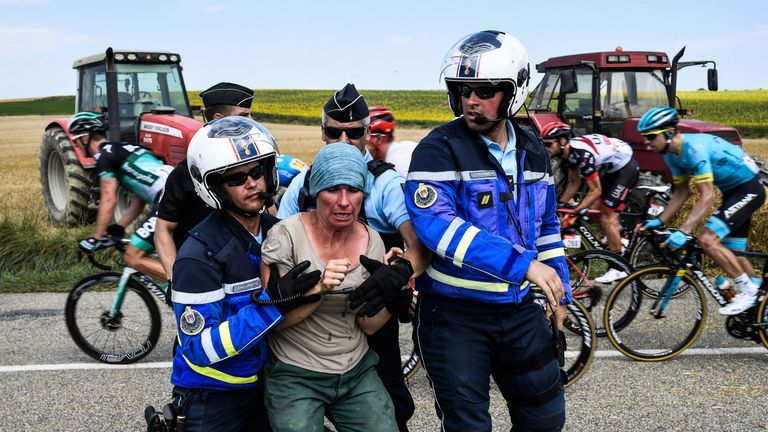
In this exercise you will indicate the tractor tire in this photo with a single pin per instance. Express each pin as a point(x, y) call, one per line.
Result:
point(66, 184)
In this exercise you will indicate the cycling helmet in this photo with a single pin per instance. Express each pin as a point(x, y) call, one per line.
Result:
point(555, 130)
point(491, 57)
point(288, 168)
point(86, 122)
point(382, 120)
point(657, 119)
point(225, 143)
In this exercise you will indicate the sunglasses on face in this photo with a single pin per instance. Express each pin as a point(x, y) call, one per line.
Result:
point(238, 178)
point(485, 92)
point(651, 136)
point(352, 133)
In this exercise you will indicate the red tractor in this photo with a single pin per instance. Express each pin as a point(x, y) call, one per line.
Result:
point(142, 94)
point(607, 92)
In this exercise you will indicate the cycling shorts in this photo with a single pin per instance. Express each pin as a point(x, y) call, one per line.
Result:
point(734, 217)
point(144, 236)
point(617, 185)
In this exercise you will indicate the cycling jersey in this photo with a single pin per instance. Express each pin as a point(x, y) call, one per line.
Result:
point(590, 152)
point(288, 167)
point(134, 167)
point(709, 158)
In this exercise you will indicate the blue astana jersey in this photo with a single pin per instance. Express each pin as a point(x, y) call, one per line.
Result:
point(709, 158)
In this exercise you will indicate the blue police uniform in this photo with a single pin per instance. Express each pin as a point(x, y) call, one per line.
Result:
point(385, 211)
point(476, 318)
point(221, 333)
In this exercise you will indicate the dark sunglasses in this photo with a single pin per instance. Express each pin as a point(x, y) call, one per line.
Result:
point(238, 179)
point(485, 92)
point(650, 136)
point(352, 133)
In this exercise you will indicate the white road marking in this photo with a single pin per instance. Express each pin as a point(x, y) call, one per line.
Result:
point(168, 365)
point(83, 366)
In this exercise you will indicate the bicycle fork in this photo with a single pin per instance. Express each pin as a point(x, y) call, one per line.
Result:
point(117, 304)
point(665, 294)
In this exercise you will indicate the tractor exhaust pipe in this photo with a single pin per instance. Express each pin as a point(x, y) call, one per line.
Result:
point(672, 91)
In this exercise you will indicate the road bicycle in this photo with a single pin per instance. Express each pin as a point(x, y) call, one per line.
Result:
point(581, 236)
point(113, 316)
point(667, 308)
point(579, 329)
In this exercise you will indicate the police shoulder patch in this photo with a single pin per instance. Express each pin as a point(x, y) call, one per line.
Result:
point(424, 196)
point(191, 322)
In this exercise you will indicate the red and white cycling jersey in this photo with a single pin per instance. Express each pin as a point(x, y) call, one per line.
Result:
point(590, 152)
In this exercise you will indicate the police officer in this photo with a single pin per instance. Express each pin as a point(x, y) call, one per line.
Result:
point(181, 208)
point(481, 196)
point(222, 334)
point(345, 118)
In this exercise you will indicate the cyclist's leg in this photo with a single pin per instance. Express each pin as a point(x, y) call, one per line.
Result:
point(732, 220)
point(616, 187)
point(137, 253)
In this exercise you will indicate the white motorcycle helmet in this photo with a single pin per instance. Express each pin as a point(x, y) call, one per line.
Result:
point(492, 57)
point(225, 143)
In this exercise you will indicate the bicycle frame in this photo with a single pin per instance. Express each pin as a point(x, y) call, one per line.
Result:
point(685, 262)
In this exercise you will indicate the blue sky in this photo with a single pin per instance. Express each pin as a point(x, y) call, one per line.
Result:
point(390, 44)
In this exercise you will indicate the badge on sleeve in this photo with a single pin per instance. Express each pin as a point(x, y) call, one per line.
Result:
point(485, 199)
point(191, 322)
point(424, 196)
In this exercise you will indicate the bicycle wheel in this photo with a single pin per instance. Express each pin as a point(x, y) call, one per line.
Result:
point(580, 345)
point(127, 338)
point(762, 320)
point(409, 358)
point(584, 268)
point(642, 254)
point(643, 335)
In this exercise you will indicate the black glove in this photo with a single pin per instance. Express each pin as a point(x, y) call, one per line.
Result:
point(382, 288)
point(401, 305)
point(287, 293)
point(116, 231)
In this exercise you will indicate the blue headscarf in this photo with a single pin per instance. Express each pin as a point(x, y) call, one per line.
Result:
point(338, 164)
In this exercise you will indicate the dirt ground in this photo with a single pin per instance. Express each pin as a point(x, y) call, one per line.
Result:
point(20, 138)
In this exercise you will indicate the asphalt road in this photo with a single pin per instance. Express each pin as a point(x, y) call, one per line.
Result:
point(48, 384)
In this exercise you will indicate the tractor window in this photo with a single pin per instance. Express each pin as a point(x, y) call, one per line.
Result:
point(93, 89)
point(142, 87)
point(625, 94)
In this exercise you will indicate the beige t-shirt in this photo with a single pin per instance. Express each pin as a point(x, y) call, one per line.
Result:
point(329, 340)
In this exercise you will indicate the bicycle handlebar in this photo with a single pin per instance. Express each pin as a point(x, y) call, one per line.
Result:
point(108, 244)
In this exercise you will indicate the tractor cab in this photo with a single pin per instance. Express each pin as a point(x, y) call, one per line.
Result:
point(126, 84)
point(607, 92)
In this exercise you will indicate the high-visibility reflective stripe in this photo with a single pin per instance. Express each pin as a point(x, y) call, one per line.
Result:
point(466, 283)
point(197, 298)
point(461, 249)
point(219, 375)
point(226, 339)
point(207, 342)
point(433, 176)
point(704, 178)
point(552, 253)
point(547, 239)
point(445, 240)
point(680, 179)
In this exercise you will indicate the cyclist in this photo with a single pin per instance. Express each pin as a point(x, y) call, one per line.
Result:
point(586, 157)
point(222, 335)
point(382, 144)
point(346, 118)
point(712, 162)
point(135, 169)
point(481, 196)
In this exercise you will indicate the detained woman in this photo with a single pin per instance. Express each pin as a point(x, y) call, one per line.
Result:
point(319, 361)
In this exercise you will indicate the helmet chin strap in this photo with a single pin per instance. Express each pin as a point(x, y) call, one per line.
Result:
point(669, 137)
